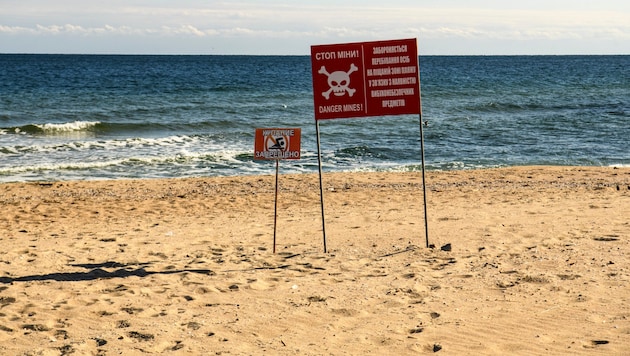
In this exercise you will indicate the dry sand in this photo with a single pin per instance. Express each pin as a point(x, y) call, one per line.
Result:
point(538, 264)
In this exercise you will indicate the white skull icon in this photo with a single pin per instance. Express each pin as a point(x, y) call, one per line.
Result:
point(338, 81)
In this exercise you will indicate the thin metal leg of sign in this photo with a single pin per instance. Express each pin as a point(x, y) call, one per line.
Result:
point(275, 208)
point(321, 186)
point(424, 186)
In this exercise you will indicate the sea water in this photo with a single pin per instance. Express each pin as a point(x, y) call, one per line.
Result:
point(81, 117)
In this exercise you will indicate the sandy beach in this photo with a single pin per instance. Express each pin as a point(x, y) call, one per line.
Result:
point(525, 261)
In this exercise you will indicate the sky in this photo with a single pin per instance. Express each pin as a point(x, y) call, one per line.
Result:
point(284, 27)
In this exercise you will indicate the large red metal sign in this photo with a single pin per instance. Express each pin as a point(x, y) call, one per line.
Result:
point(365, 79)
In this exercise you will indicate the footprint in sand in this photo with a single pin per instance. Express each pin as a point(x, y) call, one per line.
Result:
point(260, 285)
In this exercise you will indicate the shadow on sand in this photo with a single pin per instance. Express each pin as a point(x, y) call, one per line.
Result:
point(97, 271)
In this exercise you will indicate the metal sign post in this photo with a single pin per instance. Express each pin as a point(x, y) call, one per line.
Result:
point(321, 186)
point(275, 207)
point(424, 185)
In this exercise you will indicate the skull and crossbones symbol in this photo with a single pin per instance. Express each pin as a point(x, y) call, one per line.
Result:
point(338, 81)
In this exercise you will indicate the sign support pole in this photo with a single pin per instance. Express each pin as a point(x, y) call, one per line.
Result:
point(321, 186)
point(424, 185)
point(275, 208)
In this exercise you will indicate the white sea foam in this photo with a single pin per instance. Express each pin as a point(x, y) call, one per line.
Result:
point(183, 158)
point(58, 166)
point(107, 145)
point(67, 127)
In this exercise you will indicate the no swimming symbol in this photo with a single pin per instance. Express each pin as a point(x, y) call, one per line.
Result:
point(273, 142)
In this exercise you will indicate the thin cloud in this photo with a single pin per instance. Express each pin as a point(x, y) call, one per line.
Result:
point(242, 23)
point(185, 30)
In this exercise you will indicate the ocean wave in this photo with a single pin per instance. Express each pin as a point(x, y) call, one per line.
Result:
point(104, 145)
point(222, 158)
point(52, 128)
point(77, 129)
point(69, 126)
point(71, 166)
point(533, 104)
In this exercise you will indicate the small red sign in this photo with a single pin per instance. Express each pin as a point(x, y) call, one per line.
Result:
point(277, 143)
point(365, 79)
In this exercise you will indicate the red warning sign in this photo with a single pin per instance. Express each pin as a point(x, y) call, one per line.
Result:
point(277, 143)
point(365, 79)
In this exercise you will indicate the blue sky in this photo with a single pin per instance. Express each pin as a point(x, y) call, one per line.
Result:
point(442, 27)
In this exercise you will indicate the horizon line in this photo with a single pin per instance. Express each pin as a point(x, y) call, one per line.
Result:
point(300, 55)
